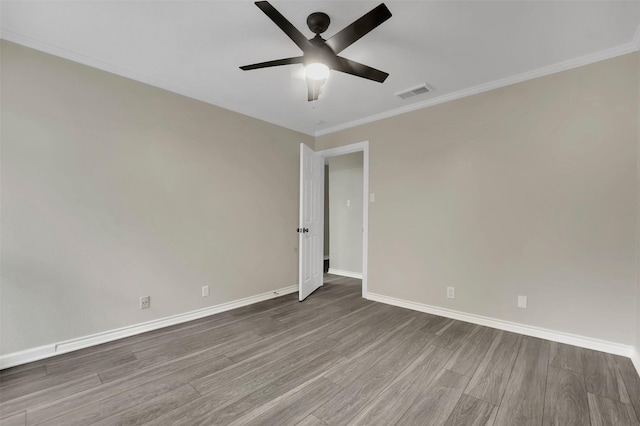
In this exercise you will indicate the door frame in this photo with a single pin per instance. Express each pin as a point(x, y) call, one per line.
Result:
point(348, 149)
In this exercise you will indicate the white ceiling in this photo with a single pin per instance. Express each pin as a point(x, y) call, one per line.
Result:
point(455, 47)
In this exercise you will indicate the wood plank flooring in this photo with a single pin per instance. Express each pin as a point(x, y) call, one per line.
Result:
point(335, 359)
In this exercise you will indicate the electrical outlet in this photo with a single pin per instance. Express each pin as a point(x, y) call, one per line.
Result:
point(522, 302)
point(145, 302)
point(205, 290)
point(451, 293)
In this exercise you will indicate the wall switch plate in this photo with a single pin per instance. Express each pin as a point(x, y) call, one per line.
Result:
point(205, 290)
point(372, 197)
point(145, 302)
point(522, 302)
point(348, 203)
point(451, 293)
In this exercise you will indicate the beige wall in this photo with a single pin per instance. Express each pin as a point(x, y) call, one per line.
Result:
point(112, 190)
point(345, 224)
point(525, 190)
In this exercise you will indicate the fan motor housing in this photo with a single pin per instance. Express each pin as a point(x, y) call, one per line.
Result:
point(318, 22)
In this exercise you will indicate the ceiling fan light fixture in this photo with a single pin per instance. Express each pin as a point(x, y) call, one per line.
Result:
point(317, 71)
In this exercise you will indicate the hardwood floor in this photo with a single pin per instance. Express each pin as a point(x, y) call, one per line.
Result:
point(335, 359)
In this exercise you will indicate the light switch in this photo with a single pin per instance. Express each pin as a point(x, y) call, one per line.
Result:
point(372, 197)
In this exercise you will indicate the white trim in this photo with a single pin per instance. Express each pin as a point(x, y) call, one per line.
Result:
point(528, 330)
point(620, 50)
point(496, 84)
point(46, 351)
point(347, 274)
point(635, 359)
point(348, 149)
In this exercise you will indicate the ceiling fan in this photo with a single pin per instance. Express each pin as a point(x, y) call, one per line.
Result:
point(320, 55)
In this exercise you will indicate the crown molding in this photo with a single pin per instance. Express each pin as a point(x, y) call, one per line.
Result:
point(496, 84)
point(613, 52)
point(132, 75)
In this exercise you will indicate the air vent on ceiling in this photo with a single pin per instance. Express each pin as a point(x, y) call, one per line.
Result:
point(414, 91)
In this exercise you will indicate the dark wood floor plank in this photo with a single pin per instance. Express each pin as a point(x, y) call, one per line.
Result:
point(311, 420)
point(21, 376)
point(523, 401)
point(391, 404)
point(631, 381)
point(44, 396)
point(352, 303)
point(607, 412)
point(353, 330)
point(76, 368)
point(349, 323)
point(359, 391)
point(565, 399)
point(151, 363)
point(146, 411)
point(321, 326)
point(490, 379)
point(18, 419)
point(232, 384)
point(452, 337)
point(297, 407)
point(118, 403)
point(360, 362)
point(437, 325)
point(603, 377)
point(24, 389)
point(105, 398)
point(196, 342)
point(566, 356)
point(437, 402)
point(470, 354)
point(368, 334)
point(470, 411)
point(21, 368)
point(205, 411)
point(322, 301)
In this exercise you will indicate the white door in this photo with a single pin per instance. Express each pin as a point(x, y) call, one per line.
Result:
point(311, 221)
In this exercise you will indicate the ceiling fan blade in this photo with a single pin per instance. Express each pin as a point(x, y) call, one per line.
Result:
point(359, 28)
point(294, 34)
point(360, 70)
point(275, 63)
point(313, 89)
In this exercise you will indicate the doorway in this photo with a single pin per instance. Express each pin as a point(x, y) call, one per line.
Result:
point(343, 215)
point(347, 264)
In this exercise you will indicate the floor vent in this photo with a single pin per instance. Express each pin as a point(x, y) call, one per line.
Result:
point(413, 91)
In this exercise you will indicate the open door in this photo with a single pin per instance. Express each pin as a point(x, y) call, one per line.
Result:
point(311, 221)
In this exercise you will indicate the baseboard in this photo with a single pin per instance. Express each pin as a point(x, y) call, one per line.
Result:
point(543, 333)
point(348, 274)
point(46, 351)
